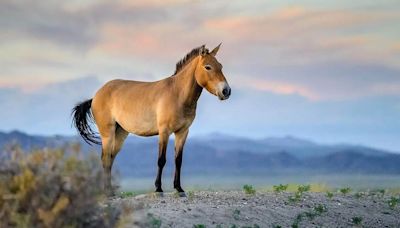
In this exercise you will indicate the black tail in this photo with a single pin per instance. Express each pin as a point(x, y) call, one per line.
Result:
point(82, 115)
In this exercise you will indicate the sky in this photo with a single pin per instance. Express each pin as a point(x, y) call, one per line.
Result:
point(328, 71)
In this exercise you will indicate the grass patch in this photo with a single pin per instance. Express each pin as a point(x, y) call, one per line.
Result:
point(356, 220)
point(292, 187)
point(393, 202)
point(310, 215)
point(320, 208)
point(249, 189)
point(359, 195)
point(126, 194)
point(280, 188)
point(199, 226)
point(299, 193)
point(329, 195)
point(345, 191)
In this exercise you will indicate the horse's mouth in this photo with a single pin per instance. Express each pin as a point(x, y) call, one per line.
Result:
point(222, 97)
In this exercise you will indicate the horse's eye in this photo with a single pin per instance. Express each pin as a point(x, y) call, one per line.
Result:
point(207, 67)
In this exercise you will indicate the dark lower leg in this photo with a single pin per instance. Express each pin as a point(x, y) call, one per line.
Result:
point(177, 178)
point(162, 149)
point(161, 164)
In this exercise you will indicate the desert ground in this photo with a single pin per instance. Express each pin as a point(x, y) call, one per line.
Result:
point(260, 209)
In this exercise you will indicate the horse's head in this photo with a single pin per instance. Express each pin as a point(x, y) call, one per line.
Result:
point(209, 74)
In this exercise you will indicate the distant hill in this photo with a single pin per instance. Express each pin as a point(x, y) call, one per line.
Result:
point(220, 154)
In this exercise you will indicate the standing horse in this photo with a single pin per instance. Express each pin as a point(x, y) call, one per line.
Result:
point(159, 108)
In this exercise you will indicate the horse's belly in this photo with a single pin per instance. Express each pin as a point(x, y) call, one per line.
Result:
point(142, 125)
point(143, 129)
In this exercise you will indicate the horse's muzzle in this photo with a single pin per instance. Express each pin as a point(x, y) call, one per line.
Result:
point(224, 92)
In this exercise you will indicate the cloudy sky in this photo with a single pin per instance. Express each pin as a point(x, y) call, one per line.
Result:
point(327, 72)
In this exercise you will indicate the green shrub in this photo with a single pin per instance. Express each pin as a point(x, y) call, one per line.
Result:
point(249, 189)
point(280, 187)
point(393, 201)
point(51, 188)
point(320, 208)
point(297, 197)
point(126, 194)
point(358, 195)
point(356, 220)
point(303, 188)
point(345, 191)
point(329, 195)
point(299, 193)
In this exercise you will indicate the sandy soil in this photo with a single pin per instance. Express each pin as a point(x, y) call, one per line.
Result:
point(237, 209)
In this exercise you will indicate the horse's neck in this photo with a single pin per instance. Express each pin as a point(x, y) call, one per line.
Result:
point(188, 89)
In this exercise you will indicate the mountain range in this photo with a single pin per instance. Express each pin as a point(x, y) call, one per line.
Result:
point(219, 154)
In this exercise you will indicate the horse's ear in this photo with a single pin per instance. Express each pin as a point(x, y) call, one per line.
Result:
point(203, 50)
point(215, 50)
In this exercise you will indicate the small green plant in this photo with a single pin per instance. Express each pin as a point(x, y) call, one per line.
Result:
point(393, 201)
point(249, 189)
point(153, 221)
point(253, 226)
point(303, 188)
point(356, 220)
point(236, 214)
point(320, 208)
point(297, 197)
point(329, 195)
point(126, 194)
point(358, 195)
point(280, 188)
point(382, 191)
point(199, 226)
point(345, 191)
point(317, 211)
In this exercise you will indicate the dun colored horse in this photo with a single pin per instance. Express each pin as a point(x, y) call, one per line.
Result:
point(159, 108)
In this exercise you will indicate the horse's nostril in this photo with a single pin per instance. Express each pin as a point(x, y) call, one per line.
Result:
point(225, 92)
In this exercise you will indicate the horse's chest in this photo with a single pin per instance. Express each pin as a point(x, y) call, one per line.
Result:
point(183, 118)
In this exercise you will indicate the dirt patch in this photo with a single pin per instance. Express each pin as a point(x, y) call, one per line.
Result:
point(237, 209)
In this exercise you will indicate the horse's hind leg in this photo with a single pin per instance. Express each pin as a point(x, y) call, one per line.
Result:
point(112, 140)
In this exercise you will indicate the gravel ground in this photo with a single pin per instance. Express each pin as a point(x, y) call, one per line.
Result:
point(237, 209)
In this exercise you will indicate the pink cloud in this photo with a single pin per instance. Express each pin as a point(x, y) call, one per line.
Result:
point(279, 87)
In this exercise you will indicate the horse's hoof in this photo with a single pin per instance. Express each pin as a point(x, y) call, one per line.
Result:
point(181, 194)
point(179, 189)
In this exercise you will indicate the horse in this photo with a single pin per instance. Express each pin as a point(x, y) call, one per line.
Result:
point(154, 108)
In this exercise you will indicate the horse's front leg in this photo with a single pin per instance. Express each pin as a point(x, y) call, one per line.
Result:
point(180, 138)
point(162, 149)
